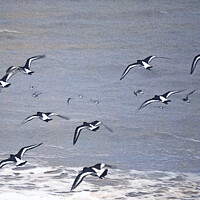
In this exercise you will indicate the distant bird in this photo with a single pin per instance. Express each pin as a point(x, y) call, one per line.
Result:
point(43, 116)
point(160, 98)
point(187, 97)
point(98, 170)
point(36, 94)
point(140, 63)
point(26, 68)
point(93, 126)
point(68, 100)
point(194, 63)
point(17, 158)
point(138, 92)
point(94, 101)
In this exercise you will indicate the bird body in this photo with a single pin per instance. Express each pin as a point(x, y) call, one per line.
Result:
point(26, 68)
point(140, 63)
point(93, 126)
point(99, 170)
point(160, 98)
point(43, 116)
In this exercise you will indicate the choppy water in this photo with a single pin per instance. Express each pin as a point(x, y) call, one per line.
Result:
point(87, 46)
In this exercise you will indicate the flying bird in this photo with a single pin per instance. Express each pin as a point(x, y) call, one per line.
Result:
point(100, 170)
point(140, 63)
point(9, 73)
point(187, 97)
point(17, 158)
point(160, 98)
point(194, 63)
point(93, 126)
point(68, 100)
point(138, 92)
point(36, 94)
point(43, 116)
point(26, 68)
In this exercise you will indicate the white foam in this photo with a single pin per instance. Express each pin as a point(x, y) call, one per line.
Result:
point(48, 183)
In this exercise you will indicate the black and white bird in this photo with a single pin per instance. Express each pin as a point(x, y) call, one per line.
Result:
point(194, 63)
point(92, 126)
point(140, 63)
point(36, 94)
point(186, 99)
point(160, 98)
point(26, 68)
point(43, 116)
point(9, 73)
point(138, 92)
point(17, 158)
point(100, 170)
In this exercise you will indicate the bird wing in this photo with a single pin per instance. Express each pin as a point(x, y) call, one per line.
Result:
point(56, 114)
point(24, 149)
point(191, 93)
point(8, 76)
point(29, 119)
point(29, 60)
point(105, 172)
point(81, 176)
point(108, 128)
point(169, 93)
point(128, 69)
point(77, 133)
point(5, 162)
point(95, 123)
point(12, 69)
point(147, 102)
point(194, 63)
point(149, 59)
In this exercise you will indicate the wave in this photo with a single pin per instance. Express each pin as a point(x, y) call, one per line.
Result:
point(9, 31)
point(37, 182)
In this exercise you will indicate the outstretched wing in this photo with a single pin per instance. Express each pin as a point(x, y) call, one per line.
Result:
point(147, 102)
point(5, 162)
point(128, 69)
point(191, 93)
point(108, 128)
point(77, 133)
point(96, 123)
point(29, 119)
point(105, 172)
point(24, 149)
point(169, 93)
point(8, 75)
point(194, 63)
point(149, 59)
point(56, 114)
point(12, 69)
point(29, 60)
point(81, 176)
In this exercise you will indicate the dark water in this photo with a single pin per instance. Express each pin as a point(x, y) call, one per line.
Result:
point(87, 46)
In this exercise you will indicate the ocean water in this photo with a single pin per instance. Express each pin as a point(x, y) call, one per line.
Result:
point(155, 151)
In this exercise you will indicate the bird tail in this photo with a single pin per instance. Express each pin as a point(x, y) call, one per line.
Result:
point(167, 101)
point(47, 120)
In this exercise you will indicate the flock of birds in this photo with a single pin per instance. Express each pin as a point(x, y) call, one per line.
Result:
point(99, 170)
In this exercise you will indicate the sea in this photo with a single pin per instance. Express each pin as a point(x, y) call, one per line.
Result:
point(154, 152)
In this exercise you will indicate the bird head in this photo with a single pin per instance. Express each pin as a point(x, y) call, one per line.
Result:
point(12, 156)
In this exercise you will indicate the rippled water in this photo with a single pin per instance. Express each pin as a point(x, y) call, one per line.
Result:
point(88, 45)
